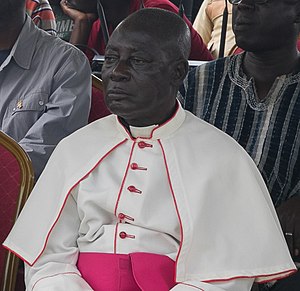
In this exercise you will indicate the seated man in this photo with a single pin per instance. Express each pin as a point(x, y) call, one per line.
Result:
point(255, 98)
point(208, 23)
point(151, 198)
point(42, 15)
point(87, 26)
point(45, 85)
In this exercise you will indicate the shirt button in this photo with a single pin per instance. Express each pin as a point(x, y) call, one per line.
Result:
point(41, 102)
point(135, 166)
point(122, 234)
point(121, 216)
point(133, 189)
point(142, 145)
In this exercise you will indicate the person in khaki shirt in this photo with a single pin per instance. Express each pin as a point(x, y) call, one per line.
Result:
point(208, 24)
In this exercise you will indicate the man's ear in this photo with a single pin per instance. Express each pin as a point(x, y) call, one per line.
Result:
point(181, 68)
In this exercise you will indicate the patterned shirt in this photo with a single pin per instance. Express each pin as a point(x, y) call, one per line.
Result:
point(64, 23)
point(269, 129)
point(42, 15)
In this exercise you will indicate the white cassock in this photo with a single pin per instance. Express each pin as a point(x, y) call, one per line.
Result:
point(182, 189)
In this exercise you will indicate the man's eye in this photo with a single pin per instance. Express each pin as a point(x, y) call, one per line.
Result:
point(110, 59)
point(137, 61)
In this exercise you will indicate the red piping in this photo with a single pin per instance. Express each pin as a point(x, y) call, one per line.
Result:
point(112, 149)
point(123, 181)
point(16, 254)
point(284, 273)
point(177, 211)
point(191, 286)
point(68, 273)
point(115, 238)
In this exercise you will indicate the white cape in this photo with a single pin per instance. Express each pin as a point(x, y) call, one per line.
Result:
point(229, 225)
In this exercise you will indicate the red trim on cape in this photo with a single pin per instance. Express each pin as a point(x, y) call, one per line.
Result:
point(177, 211)
point(284, 275)
point(124, 178)
point(63, 205)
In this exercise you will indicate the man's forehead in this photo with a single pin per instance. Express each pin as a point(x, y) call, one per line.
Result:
point(134, 40)
point(128, 50)
point(133, 34)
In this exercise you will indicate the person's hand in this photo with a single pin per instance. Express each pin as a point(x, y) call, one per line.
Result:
point(75, 14)
point(289, 216)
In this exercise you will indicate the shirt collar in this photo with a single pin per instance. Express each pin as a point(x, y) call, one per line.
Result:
point(144, 132)
point(24, 47)
point(237, 75)
point(156, 131)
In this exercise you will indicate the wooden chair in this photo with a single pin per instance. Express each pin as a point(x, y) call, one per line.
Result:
point(16, 182)
point(97, 82)
point(98, 107)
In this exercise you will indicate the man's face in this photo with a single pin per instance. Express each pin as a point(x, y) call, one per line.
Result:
point(137, 76)
point(264, 26)
point(8, 10)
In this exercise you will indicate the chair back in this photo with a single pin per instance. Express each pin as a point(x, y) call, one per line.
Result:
point(16, 182)
point(98, 107)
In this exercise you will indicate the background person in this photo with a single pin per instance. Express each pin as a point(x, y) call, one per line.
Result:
point(45, 85)
point(254, 97)
point(87, 27)
point(42, 15)
point(208, 24)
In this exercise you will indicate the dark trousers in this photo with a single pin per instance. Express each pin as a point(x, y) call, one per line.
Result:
point(291, 283)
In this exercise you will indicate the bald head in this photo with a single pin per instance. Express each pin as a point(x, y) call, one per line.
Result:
point(163, 26)
point(145, 63)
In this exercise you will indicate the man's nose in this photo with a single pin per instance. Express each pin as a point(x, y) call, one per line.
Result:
point(120, 72)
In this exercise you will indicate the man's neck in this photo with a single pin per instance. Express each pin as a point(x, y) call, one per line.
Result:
point(265, 67)
point(9, 35)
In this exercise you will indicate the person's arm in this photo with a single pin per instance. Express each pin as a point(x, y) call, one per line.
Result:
point(42, 15)
point(56, 268)
point(289, 217)
point(199, 50)
point(82, 23)
point(66, 110)
point(203, 24)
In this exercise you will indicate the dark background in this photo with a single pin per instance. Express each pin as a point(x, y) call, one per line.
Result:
point(191, 7)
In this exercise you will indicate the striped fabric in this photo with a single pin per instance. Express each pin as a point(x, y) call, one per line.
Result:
point(42, 15)
point(269, 130)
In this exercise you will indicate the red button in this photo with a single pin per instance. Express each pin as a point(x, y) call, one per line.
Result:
point(133, 189)
point(143, 144)
point(135, 166)
point(122, 234)
point(121, 216)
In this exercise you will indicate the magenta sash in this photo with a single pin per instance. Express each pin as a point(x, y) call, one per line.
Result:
point(132, 272)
